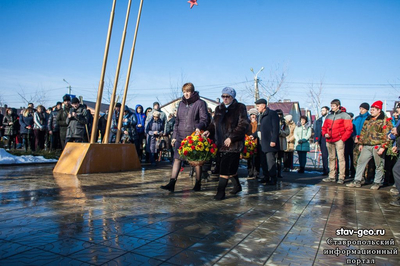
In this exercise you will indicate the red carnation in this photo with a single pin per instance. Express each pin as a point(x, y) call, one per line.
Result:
point(245, 150)
point(214, 146)
point(190, 141)
point(316, 138)
point(190, 137)
point(376, 147)
point(358, 136)
point(193, 147)
point(209, 141)
point(201, 139)
point(212, 150)
point(384, 127)
point(185, 153)
point(389, 119)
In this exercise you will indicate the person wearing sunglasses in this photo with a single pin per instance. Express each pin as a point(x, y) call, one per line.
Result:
point(228, 129)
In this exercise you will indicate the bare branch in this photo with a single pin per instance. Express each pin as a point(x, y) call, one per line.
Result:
point(315, 97)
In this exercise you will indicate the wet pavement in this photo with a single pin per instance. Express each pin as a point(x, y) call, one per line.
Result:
point(125, 219)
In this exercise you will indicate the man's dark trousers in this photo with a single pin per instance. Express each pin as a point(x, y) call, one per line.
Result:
point(268, 165)
point(324, 152)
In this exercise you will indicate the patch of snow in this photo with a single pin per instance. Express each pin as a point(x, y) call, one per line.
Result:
point(7, 158)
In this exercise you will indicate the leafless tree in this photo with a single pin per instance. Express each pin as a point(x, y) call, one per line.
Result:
point(1, 101)
point(38, 97)
point(315, 94)
point(176, 89)
point(108, 90)
point(272, 87)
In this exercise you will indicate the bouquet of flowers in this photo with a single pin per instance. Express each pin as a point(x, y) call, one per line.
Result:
point(250, 148)
point(197, 149)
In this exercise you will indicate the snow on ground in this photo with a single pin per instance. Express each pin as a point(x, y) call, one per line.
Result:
point(6, 158)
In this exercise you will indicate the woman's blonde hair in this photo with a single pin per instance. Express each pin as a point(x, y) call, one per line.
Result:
point(27, 111)
point(41, 107)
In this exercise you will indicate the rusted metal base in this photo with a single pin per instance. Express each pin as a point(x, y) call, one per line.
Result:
point(87, 158)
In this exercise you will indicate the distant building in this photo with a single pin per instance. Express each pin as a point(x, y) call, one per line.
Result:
point(92, 106)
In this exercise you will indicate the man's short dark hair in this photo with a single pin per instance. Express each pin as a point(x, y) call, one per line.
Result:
point(325, 107)
point(336, 102)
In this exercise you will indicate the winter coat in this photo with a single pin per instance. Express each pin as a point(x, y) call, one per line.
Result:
point(151, 141)
point(290, 139)
point(25, 122)
point(162, 117)
point(76, 125)
point(358, 123)
point(1, 125)
point(40, 121)
point(318, 129)
point(52, 122)
point(338, 126)
point(169, 126)
point(10, 130)
point(129, 125)
point(230, 122)
point(62, 120)
point(192, 114)
point(268, 125)
point(375, 131)
point(302, 134)
point(252, 130)
point(284, 131)
point(141, 120)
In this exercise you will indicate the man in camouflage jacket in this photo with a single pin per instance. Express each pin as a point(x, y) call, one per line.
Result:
point(373, 142)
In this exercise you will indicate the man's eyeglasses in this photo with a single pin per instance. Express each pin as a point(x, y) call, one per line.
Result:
point(225, 96)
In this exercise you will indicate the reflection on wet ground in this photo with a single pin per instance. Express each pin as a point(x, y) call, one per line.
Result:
point(125, 219)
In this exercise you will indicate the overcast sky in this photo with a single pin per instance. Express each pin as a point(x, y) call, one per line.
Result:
point(352, 47)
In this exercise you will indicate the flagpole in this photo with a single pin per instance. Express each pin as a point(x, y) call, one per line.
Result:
point(103, 72)
point(113, 95)
point(118, 137)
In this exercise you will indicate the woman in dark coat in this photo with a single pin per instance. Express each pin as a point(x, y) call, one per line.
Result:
point(26, 129)
point(154, 129)
point(229, 127)
point(191, 116)
point(10, 121)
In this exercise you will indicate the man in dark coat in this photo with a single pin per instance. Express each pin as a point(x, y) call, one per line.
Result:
point(318, 137)
point(76, 121)
point(229, 127)
point(268, 133)
point(53, 128)
point(62, 119)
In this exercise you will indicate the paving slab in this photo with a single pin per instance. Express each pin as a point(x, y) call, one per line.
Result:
point(126, 219)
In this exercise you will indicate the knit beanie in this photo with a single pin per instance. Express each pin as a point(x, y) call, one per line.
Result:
point(365, 106)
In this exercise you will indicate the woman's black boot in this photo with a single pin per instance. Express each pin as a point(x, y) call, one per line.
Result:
point(197, 186)
point(223, 182)
point(170, 186)
point(237, 187)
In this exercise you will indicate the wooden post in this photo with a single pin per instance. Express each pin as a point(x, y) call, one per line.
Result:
point(113, 95)
point(118, 137)
point(103, 72)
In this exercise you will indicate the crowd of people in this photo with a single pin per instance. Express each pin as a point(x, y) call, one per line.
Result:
point(358, 147)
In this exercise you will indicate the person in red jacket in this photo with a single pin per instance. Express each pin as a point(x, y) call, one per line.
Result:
point(337, 129)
